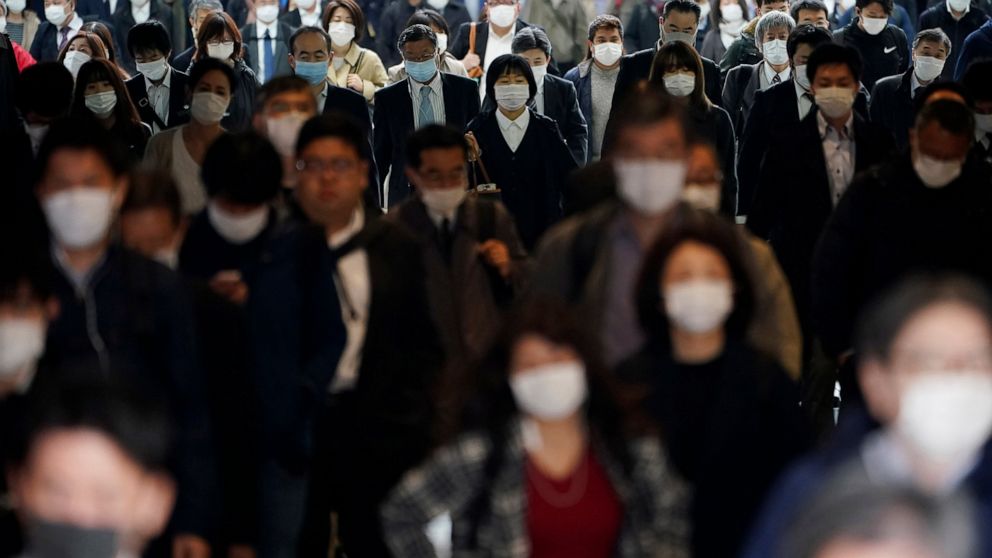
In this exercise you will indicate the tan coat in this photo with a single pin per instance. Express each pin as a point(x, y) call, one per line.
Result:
point(775, 327)
point(31, 23)
point(366, 64)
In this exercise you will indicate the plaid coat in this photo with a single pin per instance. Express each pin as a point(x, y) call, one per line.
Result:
point(655, 502)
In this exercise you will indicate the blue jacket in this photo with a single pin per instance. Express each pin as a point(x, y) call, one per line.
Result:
point(581, 78)
point(977, 46)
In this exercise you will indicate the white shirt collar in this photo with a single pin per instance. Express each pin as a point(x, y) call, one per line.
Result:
point(272, 28)
point(505, 123)
point(141, 13)
point(435, 84)
point(886, 460)
point(770, 73)
point(356, 224)
point(799, 90)
point(848, 126)
point(166, 79)
point(76, 23)
point(438, 218)
point(914, 84)
point(509, 36)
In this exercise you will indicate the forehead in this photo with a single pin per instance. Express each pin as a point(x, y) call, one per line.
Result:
point(310, 41)
point(926, 43)
point(418, 45)
point(73, 161)
point(82, 455)
point(292, 97)
point(329, 147)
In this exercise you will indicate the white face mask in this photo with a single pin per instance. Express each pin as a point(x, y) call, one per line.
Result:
point(207, 107)
point(22, 341)
point(56, 14)
point(672, 36)
point(704, 11)
point(958, 5)
point(74, 60)
point(237, 229)
point(927, 68)
point(539, 73)
point(512, 97)
point(79, 217)
point(680, 85)
point(502, 15)
point(442, 42)
point(946, 416)
point(101, 104)
point(36, 133)
point(267, 13)
point(341, 33)
point(649, 186)
point(874, 25)
point(732, 13)
point(220, 51)
point(835, 102)
point(438, 5)
point(607, 54)
point(775, 52)
point(550, 392)
point(17, 6)
point(154, 70)
point(983, 123)
point(799, 74)
point(702, 196)
point(935, 173)
point(305, 5)
point(699, 305)
point(3, 24)
point(284, 130)
point(443, 200)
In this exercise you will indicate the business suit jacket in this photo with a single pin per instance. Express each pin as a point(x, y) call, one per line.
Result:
point(292, 18)
point(184, 59)
point(738, 92)
point(281, 57)
point(774, 108)
point(892, 105)
point(352, 104)
point(637, 67)
point(393, 122)
point(713, 125)
point(44, 47)
point(460, 46)
point(123, 22)
point(178, 114)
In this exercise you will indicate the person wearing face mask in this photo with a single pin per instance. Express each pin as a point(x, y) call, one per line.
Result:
point(159, 92)
point(978, 82)
point(958, 19)
point(771, 37)
point(22, 22)
point(811, 12)
point(725, 20)
point(84, 47)
point(678, 70)
point(892, 100)
point(284, 104)
point(352, 66)
point(539, 458)
point(478, 44)
point(717, 399)
point(198, 11)
point(745, 49)
point(21, 56)
point(135, 12)
point(523, 151)
point(566, 23)
point(266, 42)
point(180, 150)
point(60, 26)
point(219, 39)
point(825, 151)
point(119, 312)
point(596, 78)
point(43, 94)
point(447, 62)
point(926, 372)
point(397, 17)
point(427, 96)
point(474, 259)
point(101, 94)
point(883, 47)
point(306, 14)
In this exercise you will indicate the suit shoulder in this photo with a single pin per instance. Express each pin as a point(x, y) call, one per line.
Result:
point(393, 90)
point(459, 81)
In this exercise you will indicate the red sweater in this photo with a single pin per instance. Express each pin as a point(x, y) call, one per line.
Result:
point(23, 57)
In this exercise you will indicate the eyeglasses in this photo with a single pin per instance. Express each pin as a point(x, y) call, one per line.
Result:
point(219, 43)
point(321, 166)
point(422, 58)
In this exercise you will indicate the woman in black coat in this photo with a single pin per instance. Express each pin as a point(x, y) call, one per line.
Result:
point(530, 173)
point(674, 66)
point(219, 38)
point(730, 415)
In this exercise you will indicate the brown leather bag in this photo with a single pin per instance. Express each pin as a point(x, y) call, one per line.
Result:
point(476, 72)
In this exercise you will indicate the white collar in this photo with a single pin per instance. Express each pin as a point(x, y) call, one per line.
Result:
point(799, 90)
point(770, 73)
point(821, 122)
point(505, 123)
point(141, 14)
point(435, 84)
point(356, 224)
point(438, 218)
point(272, 28)
point(75, 24)
point(165, 79)
point(887, 460)
point(914, 83)
point(509, 36)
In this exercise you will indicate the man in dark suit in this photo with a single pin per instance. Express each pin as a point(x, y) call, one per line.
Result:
point(427, 96)
point(306, 13)
point(978, 83)
point(158, 91)
point(57, 31)
point(128, 11)
point(198, 11)
point(265, 42)
point(394, 20)
point(804, 176)
point(499, 22)
point(957, 19)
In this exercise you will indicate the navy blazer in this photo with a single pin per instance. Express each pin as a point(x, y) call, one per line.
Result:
point(352, 104)
point(178, 111)
point(292, 18)
point(184, 59)
point(124, 21)
point(44, 47)
point(892, 105)
point(281, 57)
point(393, 122)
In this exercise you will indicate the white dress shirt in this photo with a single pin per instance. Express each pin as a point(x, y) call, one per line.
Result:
point(768, 74)
point(539, 98)
point(886, 460)
point(311, 19)
point(158, 98)
point(838, 151)
point(141, 13)
point(74, 25)
point(513, 130)
point(436, 92)
point(495, 47)
point(354, 287)
point(804, 100)
point(322, 99)
point(260, 29)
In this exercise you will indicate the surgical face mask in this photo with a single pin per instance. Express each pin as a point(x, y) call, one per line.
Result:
point(983, 122)
point(502, 16)
point(679, 84)
point(80, 216)
point(672, 36)
point(313, 72)
point(237, 229)
point(47, 539)
point(935, 173)
point(927, 68)
point(341, 33)
point(607, 54)
point(442, 42)
point(874, 25)
point(958, 5)
point(649, 186)
point(703, 196)
point(438, 5)
point(732, 13)
point(512, 97)
point(56, 14)
point(207, 107)
point(17, 6)
point(699, 305)
point(267, 13)
point(305, 5)
point(36, 133)
point(284, 130)
point(704, 11)
point(539, 73)
point(835, 102)
point(421, 71)
point(154, 70)
point(946, 416)
point(443, 200)
point(168, 257)
point(775, 52)
point(550, 392)
point(799, 74)
point(101, 104)
point(22, 340)
point(220, 51)
point(3, 24)
point(74, 60)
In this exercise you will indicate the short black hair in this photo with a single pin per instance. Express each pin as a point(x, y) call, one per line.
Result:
point(278, 85)
point(977, 80)
point(434, 136)
point(150, 35)
point(82, 133)
point(684, 6)
point(153, 189)
point(761, 3)
point(950, 115)
point(242, 168)
point(808, 5)
point(887, 5)
point(338, 126)
point(644, 107)
point(416, 32)
point(833, 53)
point(291, 42)
point(509, 64)
point(530, 38)
point(207, 64)
point(45, 89)
point(430, 18)
point(807, 34)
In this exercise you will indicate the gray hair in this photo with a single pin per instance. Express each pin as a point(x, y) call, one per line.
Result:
point(769, 21)
point(935, 35)
point(416, 32)
point(211, 5)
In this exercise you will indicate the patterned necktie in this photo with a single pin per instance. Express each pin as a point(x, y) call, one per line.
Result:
point(63, 37)
point(776, 79)
point(446, 239)
point(270, 59)
point(426, 112)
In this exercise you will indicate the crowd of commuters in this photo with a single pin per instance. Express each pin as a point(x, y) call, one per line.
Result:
point(375, 278)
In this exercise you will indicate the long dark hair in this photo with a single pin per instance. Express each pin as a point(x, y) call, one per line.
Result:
point(213, 27)
point(674, 56)
point(101, 69)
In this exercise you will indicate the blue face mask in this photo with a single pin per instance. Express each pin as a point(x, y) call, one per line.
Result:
point(421, 71)
point(313, 72)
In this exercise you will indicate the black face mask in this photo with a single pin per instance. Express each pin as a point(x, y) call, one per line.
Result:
point(46, 539)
